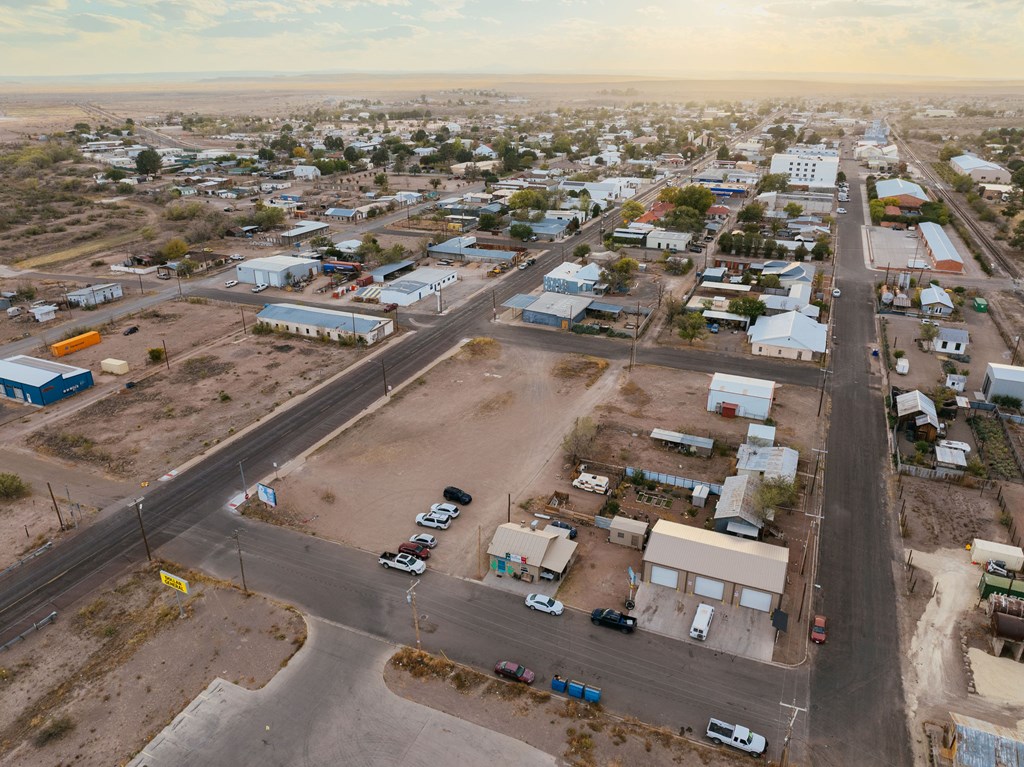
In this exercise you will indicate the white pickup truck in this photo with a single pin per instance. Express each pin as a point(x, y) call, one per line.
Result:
point(406, 562)
point(737, 736)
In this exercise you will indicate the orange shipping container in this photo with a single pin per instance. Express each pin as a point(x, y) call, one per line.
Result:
point(72, 345)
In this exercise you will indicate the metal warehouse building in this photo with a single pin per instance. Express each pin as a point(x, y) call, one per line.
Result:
point(716, 566)
point(276, 270)
point(557, 310)
point(416, 285)
point(314, 322)
point(94, 295)
point(40, 382)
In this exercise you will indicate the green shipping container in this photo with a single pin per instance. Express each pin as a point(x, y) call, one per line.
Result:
point(980, 304)
point(994, 584)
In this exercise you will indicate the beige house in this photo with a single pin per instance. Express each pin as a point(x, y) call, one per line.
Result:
point(716, 566)
point(527, 554)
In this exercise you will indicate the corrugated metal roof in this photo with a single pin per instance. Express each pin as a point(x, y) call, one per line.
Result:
point(758, 432)
point(769, 461)
point(34, 372)
point(951, 457)
point(678, 438)
point(983, 744)
point(720, 556)
point(558, 554)
point(511, 538)
point(602, 306)
point(519, 301)
point(1000, 372)
point(389, 269)
point(328, 319)
point(738, 501)
point(748, 387)
point(627, 525)
point(941, 246)
point(560, 305)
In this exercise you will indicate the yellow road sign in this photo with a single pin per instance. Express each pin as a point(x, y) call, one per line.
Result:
point(174, 581)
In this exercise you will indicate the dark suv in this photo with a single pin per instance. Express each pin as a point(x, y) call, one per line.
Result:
point(456, 495)
point(565, 526)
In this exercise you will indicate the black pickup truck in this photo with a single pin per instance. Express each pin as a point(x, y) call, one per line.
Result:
point(613, 620)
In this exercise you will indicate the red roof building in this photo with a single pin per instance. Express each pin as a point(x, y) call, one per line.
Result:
point(657, 211)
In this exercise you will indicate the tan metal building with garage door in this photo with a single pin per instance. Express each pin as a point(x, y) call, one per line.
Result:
point(716, 566)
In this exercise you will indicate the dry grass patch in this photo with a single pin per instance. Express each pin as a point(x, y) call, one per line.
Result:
point(580, 366)
point(466, 680)
point(506, 690)
point(496, 404)
point(422, 665)
point(480, 349)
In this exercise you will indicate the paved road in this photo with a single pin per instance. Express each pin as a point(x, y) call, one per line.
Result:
point(660, 680)
point(327, 707)
point(856, 685)
point(654, 678)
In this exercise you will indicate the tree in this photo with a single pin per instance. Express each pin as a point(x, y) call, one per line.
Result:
point(725, 242)
point(1017, 240)
point(949, 151)
point(800, 252)
point(1017, 177)
point(631, 211)
point(148, 162)
point(684, 219)
point(392, 255)
point(381, 180)
point(530, 199)
point(489, 221)
point(769, 281)
point(693, 196)
point(620, 274)
point(840, 177)
point(748, 306)
point(186, 267)
point(774, 182)
point(723, 152)
point(929, 332)
point(774, 493)
point(521, 231)
point(268, 217)
point(174, 249)
point(266, 153)
point(752, 213)
point(793, 209)
point(580, 439)
point(691, 326)
point(581, 251)
point(820, 250)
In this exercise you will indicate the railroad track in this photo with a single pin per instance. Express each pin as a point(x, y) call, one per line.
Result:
point(151, 135)
point(996, 258)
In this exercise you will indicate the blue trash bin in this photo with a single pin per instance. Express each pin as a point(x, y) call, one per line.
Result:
point(592, 694)
point(557, 683)
point(576, 689)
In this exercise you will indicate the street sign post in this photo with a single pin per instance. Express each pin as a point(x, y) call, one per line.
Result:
point(180, 586)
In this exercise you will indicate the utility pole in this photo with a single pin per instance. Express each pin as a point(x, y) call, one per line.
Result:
point(821, 400)
point(245, 487)
point(167, 360)
point(509, 507)
point(384, 372)
point(56, 508)
point(789, 732)
point(138, 512)
point(243, 320)
point(410, 597)
point(241, 567)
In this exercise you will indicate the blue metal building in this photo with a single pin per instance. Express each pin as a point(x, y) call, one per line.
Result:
point(41, 382)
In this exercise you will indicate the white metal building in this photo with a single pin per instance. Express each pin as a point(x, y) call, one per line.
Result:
point(791, 335)
point(313, 322)
point(276, 270)
point(94, 295)
point(741, 396)
point(1003, 381)
point(662, 239)
point(416, 285)
point(980, 170)
point(716, 566)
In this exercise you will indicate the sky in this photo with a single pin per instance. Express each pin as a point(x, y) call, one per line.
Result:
point(666, 38)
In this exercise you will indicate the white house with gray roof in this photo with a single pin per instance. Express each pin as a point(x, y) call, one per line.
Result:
point(313, 322)
point(416, 285)
point(936, 301)
point(951, 340)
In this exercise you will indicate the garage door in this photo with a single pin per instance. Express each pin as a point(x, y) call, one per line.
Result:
point(663, 576)
point(758, 600)
point(706, 587)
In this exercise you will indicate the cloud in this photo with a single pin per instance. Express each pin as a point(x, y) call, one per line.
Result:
point(92, 22)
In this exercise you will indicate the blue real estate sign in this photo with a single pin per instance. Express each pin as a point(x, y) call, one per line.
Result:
point(266, 494)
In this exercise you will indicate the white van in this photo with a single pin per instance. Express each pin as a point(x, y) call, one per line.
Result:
point(592, 483)
point(702, 622)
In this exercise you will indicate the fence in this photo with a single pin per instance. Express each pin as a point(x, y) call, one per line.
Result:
point(923, 473)
point(34, 627)
point(45, 547)
point(668, 479)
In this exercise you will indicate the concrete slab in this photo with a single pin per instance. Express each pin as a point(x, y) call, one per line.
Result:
point(516, 586)
point(735, 630)
point(893, 249)
point(328, 706)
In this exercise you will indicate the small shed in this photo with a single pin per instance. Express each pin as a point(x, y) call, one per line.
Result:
point(983, 551)
point(948, 458)
point(700, 495)
point(687, 443)
point(734, 396)
point(114, 367)
point(628, 532)
point(980, 304)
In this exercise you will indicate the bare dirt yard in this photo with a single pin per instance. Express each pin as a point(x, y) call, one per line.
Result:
point(95, 686)
point(490, 420)
point(219, 381)
point(579, 733)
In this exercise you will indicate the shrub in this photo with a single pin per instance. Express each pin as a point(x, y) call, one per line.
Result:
point(12, 487)
point(56, 729)
point(156, 354)
point(262, 329)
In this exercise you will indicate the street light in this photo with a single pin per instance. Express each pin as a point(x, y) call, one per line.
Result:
point(138, 511)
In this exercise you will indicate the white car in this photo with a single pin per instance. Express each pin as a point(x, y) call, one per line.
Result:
point(836, 292)
point(445, 509)
point(424, 539)
point(840, 210)
point(952, 444)
point(433, 520)
point(545, 604)
point(237, 257)
point(931, 322)
point(260, 287)
point(230, 283)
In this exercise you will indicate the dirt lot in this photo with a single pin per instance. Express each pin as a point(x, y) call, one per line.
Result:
point(94, 687)
point(442, 430)
point(580, 733)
